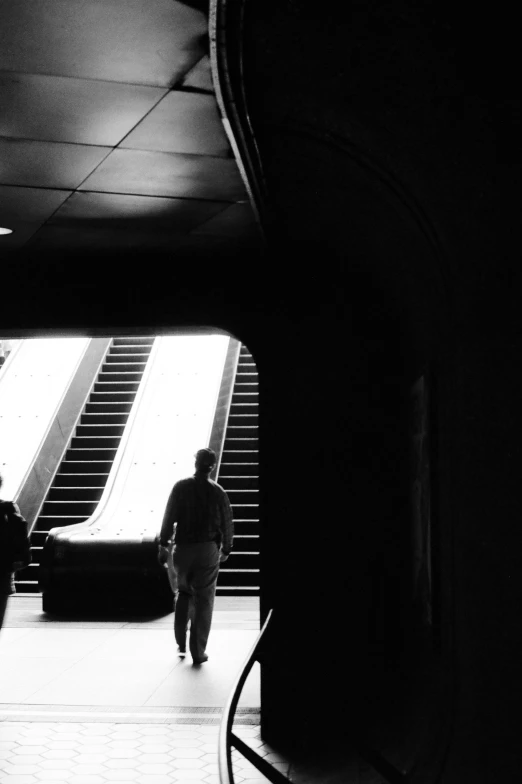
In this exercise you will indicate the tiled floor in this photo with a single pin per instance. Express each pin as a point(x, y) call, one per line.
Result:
point(94, 700)
point(95, 753)
point(89, 701)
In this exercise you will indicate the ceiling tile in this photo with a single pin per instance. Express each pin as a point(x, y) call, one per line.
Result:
point(181, 122)
point(54, 108)
point(122, 211)
point(47, 164)
point(237, 220)
point(200, 77)
point(168, 174)
point(29, 204)
point(24, 210)
point(131, 41)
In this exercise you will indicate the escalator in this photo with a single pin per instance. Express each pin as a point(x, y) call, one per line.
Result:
point(239, 476)
point(83, 472)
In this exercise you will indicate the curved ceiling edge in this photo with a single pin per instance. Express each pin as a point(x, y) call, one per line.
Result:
point(226, 59)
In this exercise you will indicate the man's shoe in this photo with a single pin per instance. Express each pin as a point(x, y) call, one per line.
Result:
point(204, 658)
point(181, 651)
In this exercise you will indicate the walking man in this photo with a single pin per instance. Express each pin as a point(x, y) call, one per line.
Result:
point(198, 518)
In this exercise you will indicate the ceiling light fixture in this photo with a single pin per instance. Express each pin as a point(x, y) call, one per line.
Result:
point(5, 231)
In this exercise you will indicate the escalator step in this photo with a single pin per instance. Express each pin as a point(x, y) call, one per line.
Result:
point(246, 511)
point(116, 386)
point(235, 457)
point(93, 442)
point(26, 586)
point(90, 454)
point(84, 508)
point(231, 465)
point(118, 377)
point(106, 407)
point(240, 444)
point(122, 358)
point(76, 493)
point(46, 522)
point(80, 480)
point(236, 418)
point(247, 543)
point(104, 418)
point(99, 431)
point(84, 466)
point(230, 590)
point(238, 482)
point(133, 341)
point(242, 527)
point(235, 577)
point(107, 395)
point(124, 367)
point(243, 559)
point(129, 350)
point(242, 431)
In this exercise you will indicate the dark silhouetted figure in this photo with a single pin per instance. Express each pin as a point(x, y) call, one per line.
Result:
point(199, 519)
point(15, 551)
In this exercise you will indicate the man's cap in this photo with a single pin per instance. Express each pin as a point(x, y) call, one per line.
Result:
point(205, 457)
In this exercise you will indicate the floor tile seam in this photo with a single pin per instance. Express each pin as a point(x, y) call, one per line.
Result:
point(248, 625)
point(176, 721)
point(138, 718)
point(105, 709)
point(94, 714)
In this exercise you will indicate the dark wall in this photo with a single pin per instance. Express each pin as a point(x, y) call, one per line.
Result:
point(389, 141)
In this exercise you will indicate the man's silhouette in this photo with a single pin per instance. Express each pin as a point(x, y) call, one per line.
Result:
point(199, 516)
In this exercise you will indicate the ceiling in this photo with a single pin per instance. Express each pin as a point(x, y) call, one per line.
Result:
point(110, 136)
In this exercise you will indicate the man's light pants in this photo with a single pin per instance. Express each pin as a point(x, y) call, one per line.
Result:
point(197, 568)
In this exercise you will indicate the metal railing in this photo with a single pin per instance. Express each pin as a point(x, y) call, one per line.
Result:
point(229, 740)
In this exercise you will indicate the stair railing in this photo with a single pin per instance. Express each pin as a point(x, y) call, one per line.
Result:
point(223, 402)
point(228, 739)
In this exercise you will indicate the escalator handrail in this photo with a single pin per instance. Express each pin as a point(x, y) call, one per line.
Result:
point(222, 412)
point(19, 498)
point(227, 739)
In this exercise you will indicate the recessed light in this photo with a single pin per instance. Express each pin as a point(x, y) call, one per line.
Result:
point(5, 231)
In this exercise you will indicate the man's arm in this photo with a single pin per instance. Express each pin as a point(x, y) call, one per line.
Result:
point(167, 526)
point(227, 527)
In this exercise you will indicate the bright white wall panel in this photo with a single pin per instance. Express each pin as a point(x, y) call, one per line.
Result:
point(172, 421)
point(32, 386)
